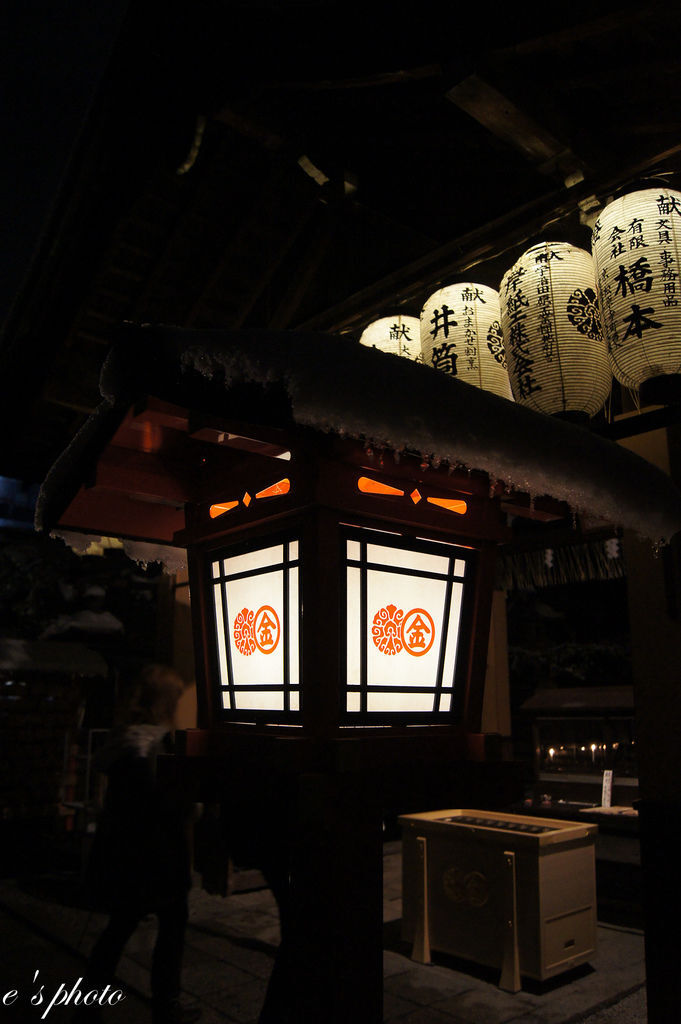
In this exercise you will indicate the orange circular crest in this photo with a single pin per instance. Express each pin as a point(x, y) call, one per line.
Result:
point(418, 632)
point(267, 629)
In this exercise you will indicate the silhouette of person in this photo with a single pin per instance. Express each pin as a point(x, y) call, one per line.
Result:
point(140, 859)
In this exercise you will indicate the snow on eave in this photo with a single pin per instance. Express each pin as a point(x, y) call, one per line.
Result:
point(171, 559)
point(75, 465)
point(336, 385)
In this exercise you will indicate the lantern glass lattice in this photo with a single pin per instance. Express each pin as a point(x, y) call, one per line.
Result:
point(397, 334)
point(636, 243)
point(461, 335)
point(557, 357)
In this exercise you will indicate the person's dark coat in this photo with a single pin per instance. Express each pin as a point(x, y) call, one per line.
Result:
point(140, 855)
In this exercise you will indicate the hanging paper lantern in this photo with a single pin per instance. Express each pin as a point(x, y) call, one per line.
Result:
point(557, 357)
point(636, 243)
point(397, 334)
point(461, 334)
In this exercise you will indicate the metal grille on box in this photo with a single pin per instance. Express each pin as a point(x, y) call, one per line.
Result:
point(396, 334)
point(461, 334)
point(557, 357)
point(636, 243)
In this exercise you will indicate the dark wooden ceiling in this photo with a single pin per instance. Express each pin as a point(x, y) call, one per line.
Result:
point(311, 164)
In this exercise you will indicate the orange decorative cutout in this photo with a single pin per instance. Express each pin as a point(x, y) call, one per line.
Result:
point(368, 486)
point(386, 631)
point(418, 632)
point(247, 499)
point(415, 496)
point(260, 630)
point(219, 510)
point(267, 629)
point(451, 504)
point(392, 631)
point(281, 487)
point(243, 632)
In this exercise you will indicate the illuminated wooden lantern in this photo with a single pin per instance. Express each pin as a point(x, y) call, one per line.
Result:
point(399, 602)
point(557, 357)
point(636, 244)
point(402, 604)
point(398, 334)
point(461, 335)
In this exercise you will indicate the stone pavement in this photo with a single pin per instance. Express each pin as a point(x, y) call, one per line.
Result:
point(230, 949)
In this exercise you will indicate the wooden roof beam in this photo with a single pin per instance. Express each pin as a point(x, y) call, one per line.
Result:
point(507, 122)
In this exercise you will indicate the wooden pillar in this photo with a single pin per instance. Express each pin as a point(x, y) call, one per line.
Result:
point(496, 708)
point(655, 618)
point(656, 657)
point(337, 902)
point(479, 626)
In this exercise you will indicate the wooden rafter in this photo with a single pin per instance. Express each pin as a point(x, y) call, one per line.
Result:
point(507, 122)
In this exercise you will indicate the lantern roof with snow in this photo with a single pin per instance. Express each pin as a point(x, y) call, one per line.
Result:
point(226, 395)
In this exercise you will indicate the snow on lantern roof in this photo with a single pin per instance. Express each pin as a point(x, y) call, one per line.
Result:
point(333, 384)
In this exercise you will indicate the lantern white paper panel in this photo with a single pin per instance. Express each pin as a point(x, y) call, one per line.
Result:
point(255, 602)
point(259, 661)
point(636, 243)
point(397, 334)
point(421, 602)
point(402, 641)
point(557, 356)
point(461, 335)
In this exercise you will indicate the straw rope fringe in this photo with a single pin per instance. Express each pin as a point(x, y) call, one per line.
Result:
point(578, 563)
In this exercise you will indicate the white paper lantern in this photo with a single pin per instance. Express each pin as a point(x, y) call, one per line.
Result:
point(397, 334)
point(557, 357)
point(636, 242)
point(461, 334)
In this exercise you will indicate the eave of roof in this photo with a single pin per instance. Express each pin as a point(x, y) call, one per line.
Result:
point(333, 385)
